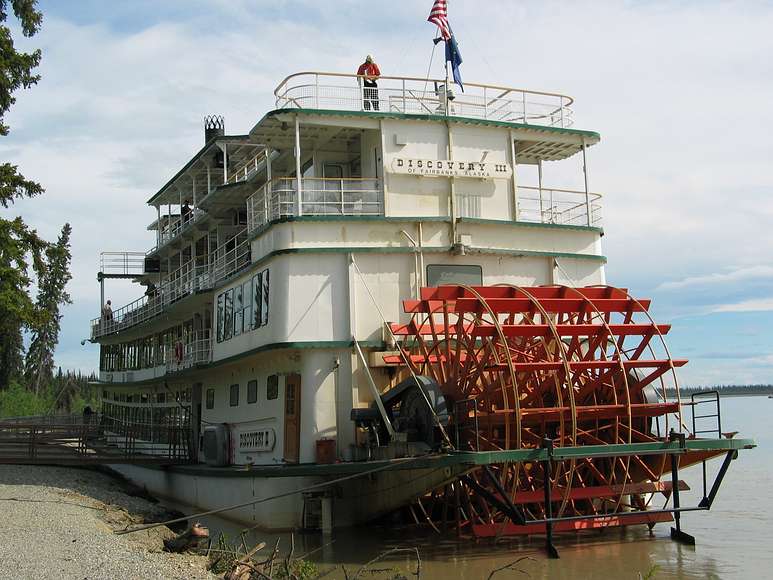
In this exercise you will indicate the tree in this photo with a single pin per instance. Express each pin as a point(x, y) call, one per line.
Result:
point(18, 243)
point(52, 293)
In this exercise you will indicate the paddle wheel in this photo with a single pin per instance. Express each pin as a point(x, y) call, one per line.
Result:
point(545, 367)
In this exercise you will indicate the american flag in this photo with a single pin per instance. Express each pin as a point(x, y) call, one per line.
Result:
point(439, 16)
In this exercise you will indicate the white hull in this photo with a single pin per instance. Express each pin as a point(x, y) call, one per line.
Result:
point(352, 502)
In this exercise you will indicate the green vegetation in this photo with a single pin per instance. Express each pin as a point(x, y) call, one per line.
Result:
point(726, 390)
point(66, 393)
point(27, 382)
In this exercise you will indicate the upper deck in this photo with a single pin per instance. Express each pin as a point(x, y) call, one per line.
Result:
point(330, 150)
point(421, 96)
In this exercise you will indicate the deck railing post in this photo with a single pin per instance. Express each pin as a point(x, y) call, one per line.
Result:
point(585, 175)
point(525, 118)
point(547, 469)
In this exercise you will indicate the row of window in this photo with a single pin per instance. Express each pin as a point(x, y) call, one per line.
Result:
point(183, 396)
point(243, 308)
point(272, 392)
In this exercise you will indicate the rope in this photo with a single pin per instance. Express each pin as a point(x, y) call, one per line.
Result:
point(402, 353)
point(429, 68)
point(395, 463)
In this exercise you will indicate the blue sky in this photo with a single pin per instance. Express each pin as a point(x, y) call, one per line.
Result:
point(680, 92)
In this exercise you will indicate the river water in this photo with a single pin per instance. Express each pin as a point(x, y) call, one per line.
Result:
point(733, 540)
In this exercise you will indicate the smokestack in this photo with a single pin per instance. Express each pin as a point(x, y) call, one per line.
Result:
point(214, 126)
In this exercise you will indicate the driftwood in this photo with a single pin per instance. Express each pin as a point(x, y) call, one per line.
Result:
point(244, 568)
point(191, 539)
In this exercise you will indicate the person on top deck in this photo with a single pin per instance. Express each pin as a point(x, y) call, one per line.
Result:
point(369, 72)
point(107, 311)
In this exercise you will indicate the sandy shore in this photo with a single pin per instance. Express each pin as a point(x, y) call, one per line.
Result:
point(58, 522)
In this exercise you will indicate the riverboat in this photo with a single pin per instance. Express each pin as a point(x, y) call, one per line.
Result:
point(379, 291)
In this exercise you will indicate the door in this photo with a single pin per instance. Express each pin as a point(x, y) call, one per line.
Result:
point(333, 188)
point(292, 418)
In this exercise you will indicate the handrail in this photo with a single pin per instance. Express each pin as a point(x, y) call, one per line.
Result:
point(189, 278)
point(413, 95)
point(420, 79)
point(319, 196)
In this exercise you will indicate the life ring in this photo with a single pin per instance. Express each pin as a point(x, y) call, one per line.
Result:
point(178, 352)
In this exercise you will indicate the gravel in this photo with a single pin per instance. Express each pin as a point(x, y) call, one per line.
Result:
point(58, 522)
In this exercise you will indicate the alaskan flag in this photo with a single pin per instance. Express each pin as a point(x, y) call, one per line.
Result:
point(455, 58)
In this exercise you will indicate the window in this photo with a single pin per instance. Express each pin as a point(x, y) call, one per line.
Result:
point(248, 301)
point(257, 292)
point(440, 274)
point(228, 316)
point(238, 311)
point(235, 395)
point(252, 392)
point(290, 399)
point(243, 308)
point(220, 317)
point(272, 387)
point(210, 404)
point(264, 300)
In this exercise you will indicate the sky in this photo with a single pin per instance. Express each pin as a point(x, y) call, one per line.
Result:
point(679, 90)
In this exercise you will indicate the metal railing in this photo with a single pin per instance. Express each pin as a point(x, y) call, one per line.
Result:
point(185, 355)
point(247, 169)
point(413, 95)
point(227, 261)
point(122, 263)
point(558, 206)
point(78, 440)
point(175, 227)
point(193, 276)
point(349, 196)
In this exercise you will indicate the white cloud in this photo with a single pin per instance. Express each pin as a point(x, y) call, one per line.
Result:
point(740, 274)
point(754, 305)
point(682, 162)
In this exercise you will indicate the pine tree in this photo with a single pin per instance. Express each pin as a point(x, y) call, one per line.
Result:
point(52, 294)
point(17, 241)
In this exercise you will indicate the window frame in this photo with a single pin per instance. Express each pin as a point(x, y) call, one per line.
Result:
point(272, 387)
point(231, 397)
point(432, 283)
point(209, 399)
point(252, 391)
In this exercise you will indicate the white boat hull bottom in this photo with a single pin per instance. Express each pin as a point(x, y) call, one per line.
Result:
point(347, 503)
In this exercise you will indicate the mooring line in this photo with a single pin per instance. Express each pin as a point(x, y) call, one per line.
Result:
point(396, 462)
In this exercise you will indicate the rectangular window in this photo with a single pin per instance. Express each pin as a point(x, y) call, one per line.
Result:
point(238, 311)
point(252, 391)
point(235, 395)
point(220, 300)
point(210, 404)
point(264, 300)
point(248, 300)
point(272, 387)
point(440, 274)
point(257, 290)
point(228, 317)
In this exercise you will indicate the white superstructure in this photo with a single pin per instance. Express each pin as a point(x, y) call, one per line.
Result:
point(281, 251)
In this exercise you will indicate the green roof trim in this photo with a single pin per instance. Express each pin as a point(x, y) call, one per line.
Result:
point(428, 117)
point(193, 160)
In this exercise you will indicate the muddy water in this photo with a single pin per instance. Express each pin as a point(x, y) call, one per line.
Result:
point(734, 539)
